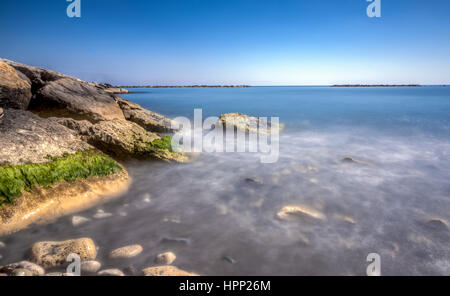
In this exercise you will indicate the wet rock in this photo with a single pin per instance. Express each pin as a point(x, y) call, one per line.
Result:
point(229, 259)
point(167, 270)
point(165, 258)
point(2, 245)
point(126, 252)
point(21, 272)
point(51, 253)
point(290, 212)
point(15, 92)
point(35, 269)
point(130, 271)
point(254, 181)
point(121, 138)
point(79, 220)
point(437, 224)
point(28, 138)
point(351, 160)
point(249, 123)
point(59, 274)
point(90, 266)
point(101, 214)
point(111, 272)
point(176, 240)
point(149, 120)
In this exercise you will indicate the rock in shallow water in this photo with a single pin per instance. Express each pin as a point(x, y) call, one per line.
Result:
point(21, 272)
point(289, 212)
point(90, 266)
point(167, 270)
point(79, 220)
point(51, 254)
point(111, 272)
point(126, 252)
point(165, 258)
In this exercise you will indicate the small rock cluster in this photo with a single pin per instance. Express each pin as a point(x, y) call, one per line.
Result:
point(51, 255)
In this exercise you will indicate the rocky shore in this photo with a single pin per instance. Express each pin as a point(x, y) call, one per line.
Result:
point(62, 140)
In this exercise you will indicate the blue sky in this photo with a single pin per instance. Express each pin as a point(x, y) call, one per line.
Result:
point(257, 42)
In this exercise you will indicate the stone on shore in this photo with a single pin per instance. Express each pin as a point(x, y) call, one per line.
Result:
point(111, 272)
point(52, 253)
point(167, 270)
point(165, 258)
point(15, 92)
point(290, 212)
point(90, 266)
point(126, 252)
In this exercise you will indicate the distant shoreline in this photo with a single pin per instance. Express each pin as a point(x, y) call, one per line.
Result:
point(183, 86)
point(376, 85)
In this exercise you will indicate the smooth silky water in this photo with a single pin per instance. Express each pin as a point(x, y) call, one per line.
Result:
point(218, 223)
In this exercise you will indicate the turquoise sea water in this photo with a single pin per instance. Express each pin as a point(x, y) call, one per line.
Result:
point(205, 211)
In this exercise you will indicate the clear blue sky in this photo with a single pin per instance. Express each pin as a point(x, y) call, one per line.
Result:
point(257, 42)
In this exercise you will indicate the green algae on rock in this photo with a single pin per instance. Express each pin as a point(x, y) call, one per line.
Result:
point(14, 179)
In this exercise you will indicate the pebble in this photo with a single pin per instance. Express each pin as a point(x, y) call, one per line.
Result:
point(21, 272)
point(90, 266)
point(111, 272)
point(79, 220)
point(35, 269)
point(101, 214)
point(229, 259)
point(165, 258)
point(167, 270)
point(2, 245)
point(130, 271)
point(126, 252)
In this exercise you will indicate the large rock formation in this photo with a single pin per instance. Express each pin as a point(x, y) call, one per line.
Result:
point(28, 138)
point(15, 92)
point(149, 120)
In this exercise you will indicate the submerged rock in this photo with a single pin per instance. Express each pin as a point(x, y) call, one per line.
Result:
point(101, 214)
point(90, 266)
point(126, 252)
point(52, 253)
point(15, 92)
point(33, 269)
point(437, 224)
point(352, 160)
point(290, 212)
point(254, 181)
point(229, 259)
point(111, 272)
point(177, 240)
point(165, 258)
point(167, 270)
point(79, 220)
point(249, 123)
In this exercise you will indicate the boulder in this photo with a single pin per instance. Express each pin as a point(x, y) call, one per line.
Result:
point(124, 139)
point(149, 120)
point(90, 266)
point(126, 252)
point(73, 98)
point(28, 138)
point(165, 258)
point(56, 93)
point(249, 124)
point(15, 92)
point(166, 270)
point(52, 253)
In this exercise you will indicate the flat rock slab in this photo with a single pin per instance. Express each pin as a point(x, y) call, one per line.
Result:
point(126, 252)
point(166, 270)
point(28, 138)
